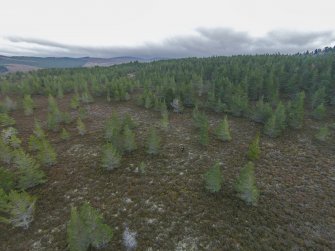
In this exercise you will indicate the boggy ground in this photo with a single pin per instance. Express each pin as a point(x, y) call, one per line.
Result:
point(167, 205)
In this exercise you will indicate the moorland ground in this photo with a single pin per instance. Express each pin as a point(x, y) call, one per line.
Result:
point(167, 204)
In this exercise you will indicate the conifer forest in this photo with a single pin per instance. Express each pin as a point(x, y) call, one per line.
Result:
point(213, 153)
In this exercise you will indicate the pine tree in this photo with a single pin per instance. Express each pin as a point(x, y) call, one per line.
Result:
point(323, 133)
point(6, 153)
point(222, 131)
point(153, 142)
point(296, 111)
point(81, 127)
point(276, 123)
point(254, 149)
point(165, 120)
point(177, 105)
point(28, 105)
point(129, 143)
point(319, 112)
point(19, 208)
point(113, 132)
point(46, 154)
point(213, 179)
point(9, 104)
point(86, 228)
point(246, 186)
point(74, 103)
point(6, 120)
point(30, 177)
point(7, 181)
point(262, 111)
point(64, 135)
point(111, 159)
point(203, 133)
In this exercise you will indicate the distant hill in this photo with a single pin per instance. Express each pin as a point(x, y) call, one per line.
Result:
point(18, 63)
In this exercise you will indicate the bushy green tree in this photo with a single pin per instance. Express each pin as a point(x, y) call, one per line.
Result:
point(81, 127)
point(86, 228)
point(323, 133)
point(9, 137)
point(246, 186)
point(28, 105)
point(7, 179)
point(30, 177)
point(128, 121)
point(129, 143)
point(199, 118)
point(46, 153)
point(153, 142)
point(203, 133)
point(6, 120)
point(75, 102)
point(64, 135)
point(319, 112)
point(296, 111)
point(222, 131)
point(177, 105)
point(113, 131)
point(254, 150)
point(276, 123)
point(9, 104)
point(111, 158)
point(165, 120)
point(6, 153)
point(213, 179)
point(262, 111)
point(17, 209)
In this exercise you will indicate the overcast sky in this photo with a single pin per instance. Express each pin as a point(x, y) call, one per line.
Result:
point(157, 28)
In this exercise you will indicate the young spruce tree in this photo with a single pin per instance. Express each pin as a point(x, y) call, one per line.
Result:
point(222, 131)
point(254, 149)
point(213, 179)
point(246, 186)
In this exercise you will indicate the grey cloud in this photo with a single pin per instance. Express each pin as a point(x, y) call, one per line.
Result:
point(206, 42)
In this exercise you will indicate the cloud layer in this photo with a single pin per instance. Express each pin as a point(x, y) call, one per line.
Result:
point(205, 42)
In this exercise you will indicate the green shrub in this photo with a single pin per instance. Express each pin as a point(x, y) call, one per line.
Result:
point(128, 121)
point(222, 131)
point(153, 142)
point(113, 132)
point(254, 149)
point(213, 179)
point(17, 209)
point(246, 186)
point(9, 137)
point(111, 159)
point(129, 143)
point(7, 181)
point(86, 228)
point(28, 105)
